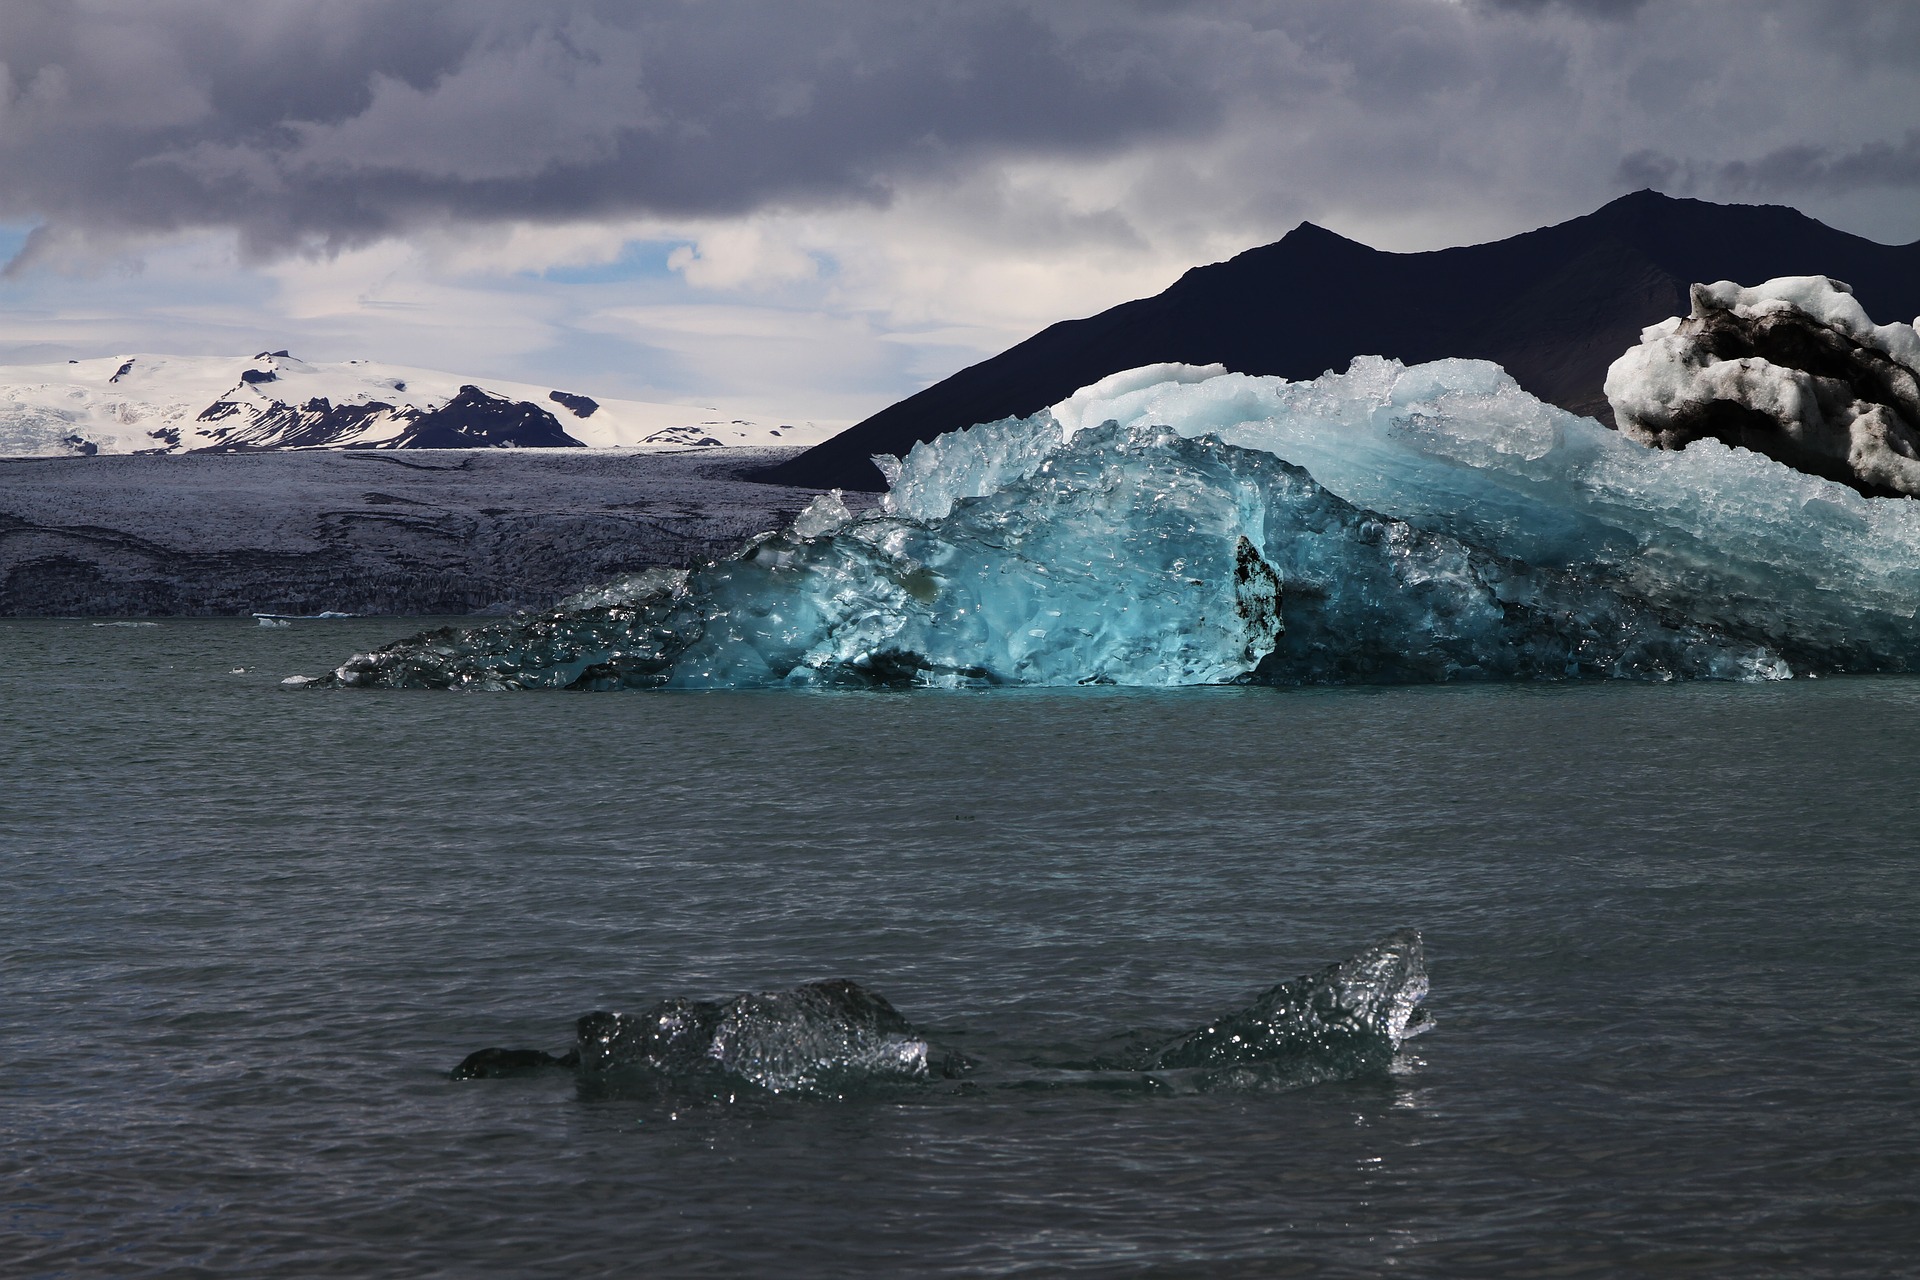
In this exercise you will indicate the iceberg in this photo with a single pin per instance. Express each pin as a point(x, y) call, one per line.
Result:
point(1176, 525)
point(836, 1038)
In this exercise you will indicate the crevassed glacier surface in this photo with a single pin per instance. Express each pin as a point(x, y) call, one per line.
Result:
point(1178, 525)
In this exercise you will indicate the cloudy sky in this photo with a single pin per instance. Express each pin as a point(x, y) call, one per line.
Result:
point(813, 207)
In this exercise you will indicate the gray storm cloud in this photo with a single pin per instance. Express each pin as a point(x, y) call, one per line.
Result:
point(342, 122)
point(323, 124)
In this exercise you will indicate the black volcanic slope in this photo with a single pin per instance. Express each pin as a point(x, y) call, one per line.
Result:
point(1554, 306)
point(475, 420)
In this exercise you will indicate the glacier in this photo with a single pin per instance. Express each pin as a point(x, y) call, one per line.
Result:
point(1180, 525)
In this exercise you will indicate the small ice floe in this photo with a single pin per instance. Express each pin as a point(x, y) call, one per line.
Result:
point(288, 619)
point(126, 624)
point(837, 1039)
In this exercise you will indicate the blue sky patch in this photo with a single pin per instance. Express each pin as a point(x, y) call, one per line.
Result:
point(637, 260)
point(12, 237)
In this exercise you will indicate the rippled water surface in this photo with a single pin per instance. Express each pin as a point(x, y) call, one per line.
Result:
point(245, 931)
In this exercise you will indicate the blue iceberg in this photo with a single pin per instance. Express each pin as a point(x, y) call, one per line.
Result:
point(1176, 525)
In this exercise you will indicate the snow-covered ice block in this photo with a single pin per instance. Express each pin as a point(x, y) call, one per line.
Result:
point(1792, 368)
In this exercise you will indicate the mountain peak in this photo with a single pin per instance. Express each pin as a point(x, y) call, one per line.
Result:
point(1309, 234)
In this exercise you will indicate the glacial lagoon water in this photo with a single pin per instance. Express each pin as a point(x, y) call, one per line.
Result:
point(247, 930)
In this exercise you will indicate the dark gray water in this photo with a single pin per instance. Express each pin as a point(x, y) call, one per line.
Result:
point(245, 931)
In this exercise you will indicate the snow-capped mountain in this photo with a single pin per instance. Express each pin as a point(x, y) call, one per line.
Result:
point(177, 404)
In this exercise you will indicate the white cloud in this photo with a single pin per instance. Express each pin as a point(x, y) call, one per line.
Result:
point(743, 256)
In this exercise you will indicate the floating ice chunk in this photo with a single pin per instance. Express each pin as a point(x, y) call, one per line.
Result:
point(836, 1038)
point(820, 1038)
point(1127, 556)
point(1347, 1020)
point(1134, 561)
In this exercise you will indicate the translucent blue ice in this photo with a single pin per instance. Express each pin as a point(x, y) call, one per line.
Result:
point(1721, 536)
point(1175, 525)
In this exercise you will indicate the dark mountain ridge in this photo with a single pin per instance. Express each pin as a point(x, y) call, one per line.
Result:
point(1555, 307)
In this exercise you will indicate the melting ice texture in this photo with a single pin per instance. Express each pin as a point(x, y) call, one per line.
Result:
point(820, 1038)
point(1346, 1021)
point(1180, 525)
point(835, 1038)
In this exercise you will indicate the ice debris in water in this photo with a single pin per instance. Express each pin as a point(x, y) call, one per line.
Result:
point(818, 1038)
point(1347, 1020)
point(1175, 525)
point(834, 1038)
point(815, 1038)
